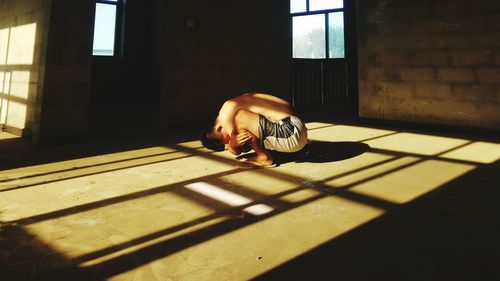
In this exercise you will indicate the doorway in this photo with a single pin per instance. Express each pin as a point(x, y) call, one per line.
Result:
point(324, 69)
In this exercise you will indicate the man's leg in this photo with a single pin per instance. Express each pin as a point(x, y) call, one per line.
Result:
point(262, 157)
point(247, 121)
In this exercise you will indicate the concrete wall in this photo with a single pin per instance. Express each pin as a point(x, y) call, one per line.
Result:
point(23, 28)
point(210, 51)
point(45, 63)
point(430, 61)
point(65, 91)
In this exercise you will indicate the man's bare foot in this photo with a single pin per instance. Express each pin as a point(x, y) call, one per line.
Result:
point(261, 160)
point(256, 162)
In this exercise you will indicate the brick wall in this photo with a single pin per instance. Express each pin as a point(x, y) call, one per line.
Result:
point(430, 61)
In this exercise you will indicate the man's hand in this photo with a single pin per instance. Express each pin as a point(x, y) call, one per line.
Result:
point(240, 142)
point(243, 138)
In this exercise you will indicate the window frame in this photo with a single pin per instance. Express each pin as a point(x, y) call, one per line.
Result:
point(325, 14)
point(118, 44)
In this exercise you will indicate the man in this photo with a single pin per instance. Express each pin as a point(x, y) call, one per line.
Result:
point(256, 121)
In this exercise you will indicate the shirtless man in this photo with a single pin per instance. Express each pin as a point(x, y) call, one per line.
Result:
point(256, 121)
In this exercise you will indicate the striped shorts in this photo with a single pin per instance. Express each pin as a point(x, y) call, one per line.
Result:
point(286, 135)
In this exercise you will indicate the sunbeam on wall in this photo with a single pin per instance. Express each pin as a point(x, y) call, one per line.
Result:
point(17, 47)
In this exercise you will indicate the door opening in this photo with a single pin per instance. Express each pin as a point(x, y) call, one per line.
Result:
point(324, 57)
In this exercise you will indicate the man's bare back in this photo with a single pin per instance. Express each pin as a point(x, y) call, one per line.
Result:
point(263, 104)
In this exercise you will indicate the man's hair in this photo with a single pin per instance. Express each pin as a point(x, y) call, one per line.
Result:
point(208, 142)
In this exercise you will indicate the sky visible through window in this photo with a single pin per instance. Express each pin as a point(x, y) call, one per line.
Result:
point(309, 30)
point(300, 6)
point(104, 29)
point(317, 5)
point(309, 36)
point(336, 35)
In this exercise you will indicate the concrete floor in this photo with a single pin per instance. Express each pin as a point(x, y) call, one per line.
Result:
point(359, 203)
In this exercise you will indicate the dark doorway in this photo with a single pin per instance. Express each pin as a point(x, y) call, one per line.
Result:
point(125, 83)
point(324, 69)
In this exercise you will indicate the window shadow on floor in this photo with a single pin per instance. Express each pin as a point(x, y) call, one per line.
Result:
point(369, 249)
point(24, 257)
point(448, 234)
point(21, 152)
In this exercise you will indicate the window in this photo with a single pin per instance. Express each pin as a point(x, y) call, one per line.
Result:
point(106, 26)
point(317, 29)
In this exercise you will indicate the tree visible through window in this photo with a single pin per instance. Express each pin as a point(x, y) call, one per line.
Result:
point(105, 27)
point(317, 29)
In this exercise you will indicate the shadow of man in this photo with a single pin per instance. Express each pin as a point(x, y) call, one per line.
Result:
point(320, 152)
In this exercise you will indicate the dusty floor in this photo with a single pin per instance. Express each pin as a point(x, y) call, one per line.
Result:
point(359, 203)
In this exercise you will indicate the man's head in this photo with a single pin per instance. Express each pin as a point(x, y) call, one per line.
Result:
point(215, 136)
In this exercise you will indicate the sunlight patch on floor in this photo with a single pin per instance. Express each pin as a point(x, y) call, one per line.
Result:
point(318, 125)
point(86, 165)
point(191, 144)
point(229, 198)
point(8, 136)
point(267, 185)
point(82, 188)
point(249, 251)
point(416, 143)
point(182, 208)
point(80, 235)
point(373, 173)
point(404, 185)
point(479, 152)
point(347, 133)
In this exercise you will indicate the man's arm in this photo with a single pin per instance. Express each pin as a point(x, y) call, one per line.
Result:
point(240, 143)
point(233, 145)
point(262, 155)
point(226, 115)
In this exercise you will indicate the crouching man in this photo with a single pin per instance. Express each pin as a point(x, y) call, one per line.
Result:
point(257, 121)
